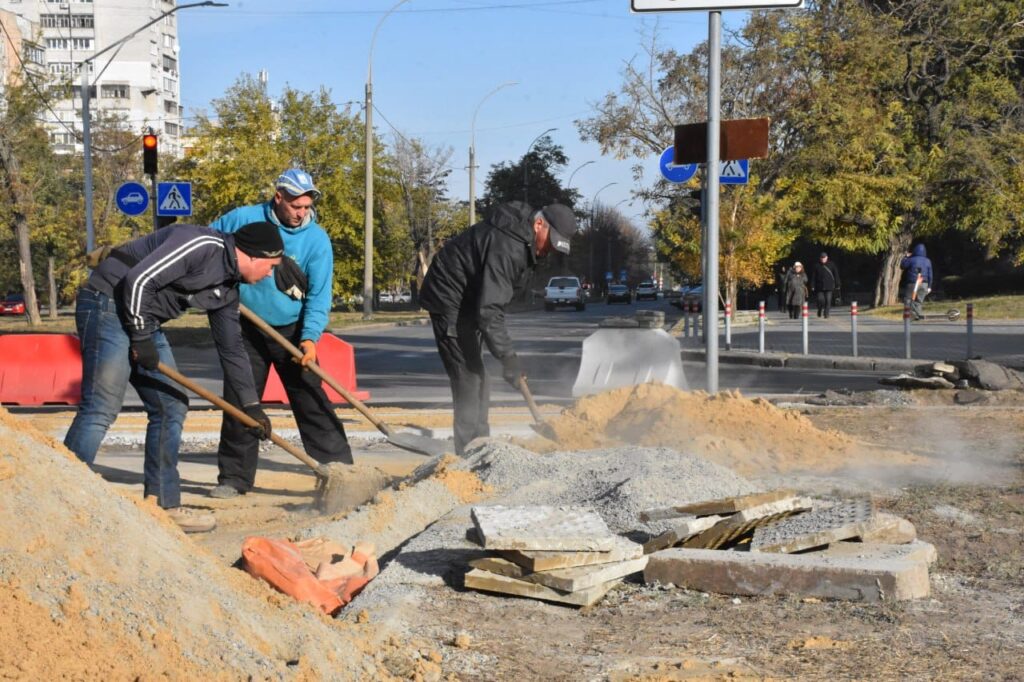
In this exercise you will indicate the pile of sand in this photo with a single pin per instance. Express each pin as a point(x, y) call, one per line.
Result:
point(96, 585)
point(751, 437)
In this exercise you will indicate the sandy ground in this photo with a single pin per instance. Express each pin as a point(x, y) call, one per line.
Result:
point(950, 462)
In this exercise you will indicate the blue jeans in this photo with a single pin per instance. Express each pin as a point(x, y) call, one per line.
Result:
point(106, 371)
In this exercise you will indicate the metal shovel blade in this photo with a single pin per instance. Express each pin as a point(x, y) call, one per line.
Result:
point(421, 444)
point(614, 358)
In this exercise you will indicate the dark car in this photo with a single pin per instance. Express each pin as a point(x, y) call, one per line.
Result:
point(692, 298)
point(618, 293)
point(13, 304)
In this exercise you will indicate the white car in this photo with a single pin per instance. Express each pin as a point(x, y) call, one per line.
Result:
point(564, 291)
point(646, 289)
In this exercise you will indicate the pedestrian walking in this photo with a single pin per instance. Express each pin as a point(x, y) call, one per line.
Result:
point(796, 289)
point(296, 302)
point(780, 287)
point(470, 282)
point(118, 314)
point(917, 280)
point(825, 282)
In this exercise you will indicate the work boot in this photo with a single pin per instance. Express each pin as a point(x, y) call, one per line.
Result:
point(192, 520)
point(224, 492)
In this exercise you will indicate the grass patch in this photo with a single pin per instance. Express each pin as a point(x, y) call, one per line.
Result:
point(985, 308)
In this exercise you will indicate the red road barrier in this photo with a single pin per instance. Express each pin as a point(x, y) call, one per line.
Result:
point(337, 359)
point(40, 369)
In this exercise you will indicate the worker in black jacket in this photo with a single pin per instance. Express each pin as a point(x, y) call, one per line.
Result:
point(469, 283)
point(118, 312)
point(825, 281)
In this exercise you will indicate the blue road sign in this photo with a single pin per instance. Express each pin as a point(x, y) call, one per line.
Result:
point(672, 172)
point(734, 172)
point(132, 198)
point(174, 199)
point(608, 275)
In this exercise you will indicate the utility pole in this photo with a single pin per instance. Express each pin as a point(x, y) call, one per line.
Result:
point(472, 151)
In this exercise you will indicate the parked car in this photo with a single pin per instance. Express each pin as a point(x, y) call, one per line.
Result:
point(564, 291)
point(646, 289)
point(13, 304)
point(692, 296)
point(618, 293)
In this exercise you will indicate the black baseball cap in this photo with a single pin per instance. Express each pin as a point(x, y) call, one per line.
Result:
point(562, 222)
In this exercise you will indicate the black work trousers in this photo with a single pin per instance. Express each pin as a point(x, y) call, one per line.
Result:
point(323, 435)
point(462, 355)
point(824, 303)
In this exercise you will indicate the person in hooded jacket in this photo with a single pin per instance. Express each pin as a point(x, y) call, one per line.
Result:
point(796, 290)
point(296, 301)
point(916, 265)
point(467, 288)
point(824, 283)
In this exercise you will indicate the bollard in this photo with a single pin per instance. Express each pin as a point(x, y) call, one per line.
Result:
point(853, 325)
point(760, 326)
point(803, 323)
point(686, 320)
point(970, 330)
point(693, 317)
point(728, 325)
point(906, 329)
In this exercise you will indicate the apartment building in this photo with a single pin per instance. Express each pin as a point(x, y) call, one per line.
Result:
point(17, 47)
point(137, 81)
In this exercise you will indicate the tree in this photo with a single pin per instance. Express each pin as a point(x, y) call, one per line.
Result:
point(505, 181)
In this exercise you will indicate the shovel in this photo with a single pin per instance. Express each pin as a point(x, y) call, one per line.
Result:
point(325, 500)
point(406, 441)
point(538, 425)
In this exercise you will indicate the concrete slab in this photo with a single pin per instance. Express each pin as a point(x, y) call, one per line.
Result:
point(742, 522)
point(542, 527)
point(889, 528)
point(918, 550)
point(533, 561)
point(491, 582)
point(809, 575)
point(564, 579)
point(841, 521)
point(680, 531)
point(725, 505)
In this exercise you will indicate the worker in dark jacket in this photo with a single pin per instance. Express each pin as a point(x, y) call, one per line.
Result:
point(118, 312)
point(917, 279)
point(469, 284)
point(824, 282)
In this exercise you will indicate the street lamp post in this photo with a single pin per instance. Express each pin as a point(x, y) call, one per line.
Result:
point(526, 156)
point(368, 207)
point(90, 237)
point(568, 185)
point(472, 151)
point(592, 203)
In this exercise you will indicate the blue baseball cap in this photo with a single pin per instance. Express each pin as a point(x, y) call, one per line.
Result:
point(297, 182)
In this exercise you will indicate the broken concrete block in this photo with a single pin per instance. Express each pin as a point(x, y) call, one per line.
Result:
point(945, 369)
point(584, 577)
point(808, 575)
point(493, 564)
point(491, 582)
point(534, 561)
point(908, 381)
point(841, 521)
point(742, 522)
point(725, 505)
point(889, 528)
point(918, 550)
point(680, 531)
point(542, 527)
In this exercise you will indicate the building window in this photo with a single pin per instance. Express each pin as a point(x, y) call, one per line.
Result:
point(69, 43)
point(168, 40)
point(67, 67)
point(170, 65)
point(77, 92)
point(62, 138)
point(66, 20)
point(34, 54)
point(114, 91)
point(170, 106)
point(171, 129)
point(170, 84)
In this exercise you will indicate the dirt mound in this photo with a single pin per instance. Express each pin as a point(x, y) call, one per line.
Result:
point(122, 593)
point(751, 437)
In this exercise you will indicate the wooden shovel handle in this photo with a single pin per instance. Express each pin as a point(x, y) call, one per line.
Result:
point(315, 368)
point(530, 403)
point(238, 414)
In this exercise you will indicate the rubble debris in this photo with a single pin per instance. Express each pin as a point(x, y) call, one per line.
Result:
point(726, 505)
point(541, 527)
point(910, 381)
point(565, 579)
point(742, 522)
point(822, 526)
point(918, 550)
point(808, 575)
point(961, 374)
point(889, 529)
point(533, 561)
point(681, 531)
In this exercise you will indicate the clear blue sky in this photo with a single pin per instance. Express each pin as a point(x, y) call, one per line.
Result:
point(433, 62)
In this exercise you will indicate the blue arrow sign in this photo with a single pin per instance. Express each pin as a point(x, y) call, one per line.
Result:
point(174, 199)
point(132, 198)
point(672, 172)
point(734, 172)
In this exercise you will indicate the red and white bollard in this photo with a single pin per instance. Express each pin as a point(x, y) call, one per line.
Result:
point(970, 330)
point(760, 326)
point(803, 323)
point(853, 325)
point(693, 316)
point(728, 325)
point(906, 329)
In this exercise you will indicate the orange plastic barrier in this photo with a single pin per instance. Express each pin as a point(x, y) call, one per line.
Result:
point(337, 358)
point(40, 369)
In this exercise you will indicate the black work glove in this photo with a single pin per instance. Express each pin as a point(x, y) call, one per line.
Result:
point(290, 279)
point(144, 353)
point(510, 371)
point(262, 429)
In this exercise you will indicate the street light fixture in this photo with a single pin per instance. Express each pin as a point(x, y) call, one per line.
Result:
point(592, 202)
point(568, 185)
point(526, 165)
point(368, 207)
point(472, 151)
point(86, 133)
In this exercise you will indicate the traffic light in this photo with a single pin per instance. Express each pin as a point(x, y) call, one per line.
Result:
point(149, 151)
point(695, 209)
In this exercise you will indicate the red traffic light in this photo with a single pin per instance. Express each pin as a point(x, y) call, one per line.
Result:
point(149, 141)
point(149, 154)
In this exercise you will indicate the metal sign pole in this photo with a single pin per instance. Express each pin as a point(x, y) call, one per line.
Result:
point(711, 196)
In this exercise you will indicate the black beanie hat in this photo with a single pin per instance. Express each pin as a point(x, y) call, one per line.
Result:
point(260, 240)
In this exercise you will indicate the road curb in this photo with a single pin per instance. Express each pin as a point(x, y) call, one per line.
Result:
point(862, 364)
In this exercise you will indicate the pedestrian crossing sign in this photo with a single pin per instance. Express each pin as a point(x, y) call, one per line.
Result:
point(174, 199)
point(736, 172)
